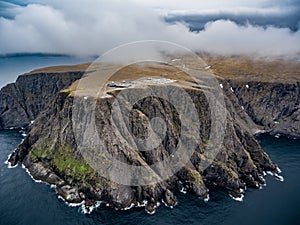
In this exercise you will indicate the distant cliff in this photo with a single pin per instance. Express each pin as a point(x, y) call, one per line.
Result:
point(273, 106)
point(22, 101)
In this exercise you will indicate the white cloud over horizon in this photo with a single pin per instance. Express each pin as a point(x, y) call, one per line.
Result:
point(92, 27)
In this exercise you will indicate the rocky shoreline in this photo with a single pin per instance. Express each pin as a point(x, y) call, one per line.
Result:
point(49, 152)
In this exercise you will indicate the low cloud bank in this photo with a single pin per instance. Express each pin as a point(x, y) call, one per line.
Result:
point(92, 27)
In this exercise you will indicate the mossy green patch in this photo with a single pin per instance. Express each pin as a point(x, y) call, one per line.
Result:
point(228, 170)
point(194, 176)
point(40, 151)
point(74, 170)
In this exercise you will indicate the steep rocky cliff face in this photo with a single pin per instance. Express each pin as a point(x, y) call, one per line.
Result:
point(268, 90)
point(51, 153)
point(273, 106)
point(22, 101)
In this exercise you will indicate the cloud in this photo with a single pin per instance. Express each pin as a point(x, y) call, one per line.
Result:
point(226, 37)
point(203, 5)
point(282, 18)
point(91, 27)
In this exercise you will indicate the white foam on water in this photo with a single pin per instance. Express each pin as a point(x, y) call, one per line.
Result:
point(170, 206)
point(129, 207)
point(207, 198)
point(145, 202)
point(154, 208)
point(239, 199)
point(278, 177)
point(264, 173)
point(277, 135)
point(71, 204)
point(6, 162)
point(183, 190)
point(35, 180)
point(278, 170)
point(257, 185)
point(261, 177)
point(151, 213)
point(89, 209)
point(164, 203)
point(9, 166)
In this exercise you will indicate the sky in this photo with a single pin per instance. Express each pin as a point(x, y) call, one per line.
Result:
point(91, 27)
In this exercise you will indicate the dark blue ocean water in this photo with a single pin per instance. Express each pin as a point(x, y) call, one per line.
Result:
point(22, 201)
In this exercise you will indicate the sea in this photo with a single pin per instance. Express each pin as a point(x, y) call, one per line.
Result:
point(26, 202)
point(11, 66)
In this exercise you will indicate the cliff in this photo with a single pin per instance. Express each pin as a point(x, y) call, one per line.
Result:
point(22, 101)
point(268, 90)
point(51, 153)
point(275, 107)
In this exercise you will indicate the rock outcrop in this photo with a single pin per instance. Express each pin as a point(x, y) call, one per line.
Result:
point(51, 144)
point(50, 151)
point(22, 101)
point(275, 107)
